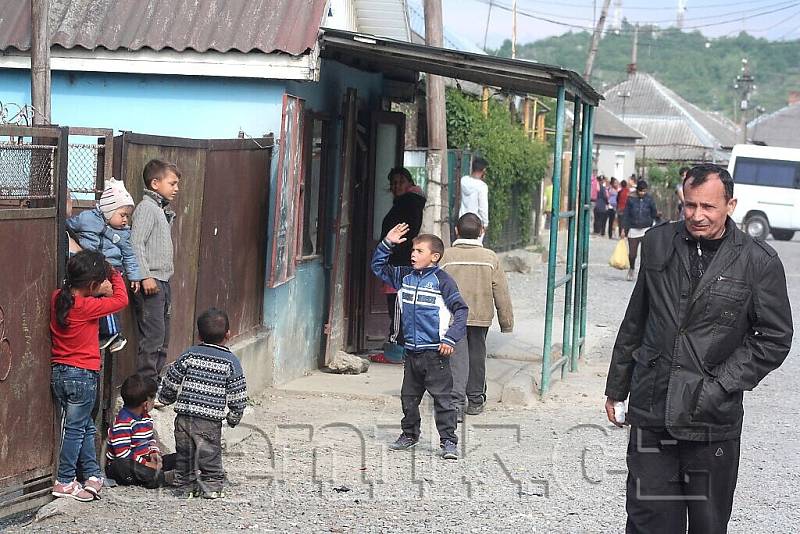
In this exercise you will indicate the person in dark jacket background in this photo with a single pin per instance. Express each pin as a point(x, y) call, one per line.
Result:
point(639, 215)
point(601, 206)
point(409, 202)
point(708, 319)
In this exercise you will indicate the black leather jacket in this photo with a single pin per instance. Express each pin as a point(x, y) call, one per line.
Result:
point(686, 358)
point(640, 212)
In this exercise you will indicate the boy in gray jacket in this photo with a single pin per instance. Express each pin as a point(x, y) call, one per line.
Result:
point(152, 242)
point(105, 229)
point(484, 287)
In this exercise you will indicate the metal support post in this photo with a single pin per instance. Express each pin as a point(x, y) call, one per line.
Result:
point(566, 343)
point(552, 252)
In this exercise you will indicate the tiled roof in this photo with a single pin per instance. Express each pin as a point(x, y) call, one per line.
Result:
point(289, 26)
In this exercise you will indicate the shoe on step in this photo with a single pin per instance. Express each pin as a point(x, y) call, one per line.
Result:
point(106, 341)
point(118, 344)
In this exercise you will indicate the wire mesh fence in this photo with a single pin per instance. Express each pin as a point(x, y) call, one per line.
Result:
point(85, 162)
point(26, 171)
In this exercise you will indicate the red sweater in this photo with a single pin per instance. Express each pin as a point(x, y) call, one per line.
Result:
point(78, 344)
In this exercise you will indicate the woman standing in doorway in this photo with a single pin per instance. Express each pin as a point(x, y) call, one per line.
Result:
point(409, 201)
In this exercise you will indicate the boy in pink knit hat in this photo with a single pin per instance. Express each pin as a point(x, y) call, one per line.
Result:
point(106, 229)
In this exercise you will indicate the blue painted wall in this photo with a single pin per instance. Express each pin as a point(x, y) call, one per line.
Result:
point(181, 106)
point(196, 107)
point(297, 310)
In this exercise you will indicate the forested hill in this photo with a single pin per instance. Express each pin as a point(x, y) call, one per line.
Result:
point(700, 69)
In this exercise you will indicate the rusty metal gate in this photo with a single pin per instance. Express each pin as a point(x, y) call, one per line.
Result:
point(33, 178)
point(219, 234)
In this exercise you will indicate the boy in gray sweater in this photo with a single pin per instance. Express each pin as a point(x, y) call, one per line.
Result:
point(152, 243)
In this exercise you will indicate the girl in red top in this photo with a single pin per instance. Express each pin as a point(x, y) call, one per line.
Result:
point(92, 289)
point(622, 200)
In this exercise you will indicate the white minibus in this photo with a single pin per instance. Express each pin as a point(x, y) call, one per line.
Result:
point(767, 186)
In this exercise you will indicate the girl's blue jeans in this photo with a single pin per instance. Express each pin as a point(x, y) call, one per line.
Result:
point(75, 390)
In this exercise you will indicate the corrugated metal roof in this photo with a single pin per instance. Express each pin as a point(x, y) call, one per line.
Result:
point(779, 128)
point(608, 124)
point(289, 26)
point(675, 129)
point(386, 18)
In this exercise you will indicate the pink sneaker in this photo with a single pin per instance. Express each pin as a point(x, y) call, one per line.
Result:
point(93, 485)
point(73, 489)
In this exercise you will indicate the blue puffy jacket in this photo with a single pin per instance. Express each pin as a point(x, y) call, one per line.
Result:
point(430, 302)
point(93, 233)
point(640, 212)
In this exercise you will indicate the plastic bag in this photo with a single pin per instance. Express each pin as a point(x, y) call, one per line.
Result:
point(619, 259)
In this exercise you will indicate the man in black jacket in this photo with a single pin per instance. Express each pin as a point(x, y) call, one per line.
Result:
point(709, 317)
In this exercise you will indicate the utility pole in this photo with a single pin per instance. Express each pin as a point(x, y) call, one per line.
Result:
point(744, 83)
point(437, 216)
point(486, 31)
point(40, 62)
point(681, 13)
point(514, 30)
point(634, 52)
point(598, 30)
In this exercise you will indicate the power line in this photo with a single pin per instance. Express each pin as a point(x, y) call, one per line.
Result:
point(551, 20)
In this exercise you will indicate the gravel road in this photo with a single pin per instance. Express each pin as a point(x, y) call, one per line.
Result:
point(319, 463)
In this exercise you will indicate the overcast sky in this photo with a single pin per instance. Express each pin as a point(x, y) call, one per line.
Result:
point(771, 19)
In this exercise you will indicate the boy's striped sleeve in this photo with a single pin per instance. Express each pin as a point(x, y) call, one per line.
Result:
point(119, 439)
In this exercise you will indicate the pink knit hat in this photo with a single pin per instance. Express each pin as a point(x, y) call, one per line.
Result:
point(114, 196)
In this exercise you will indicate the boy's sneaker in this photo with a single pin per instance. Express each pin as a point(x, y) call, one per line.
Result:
point(106, 341)
point(73, 489)
point(213, 494)
point(474, 409)
point(93, 485)
point(118, 344)
point(449, 450)
point(404, 442)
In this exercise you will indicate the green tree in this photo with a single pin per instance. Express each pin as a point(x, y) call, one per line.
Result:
point(516, 164)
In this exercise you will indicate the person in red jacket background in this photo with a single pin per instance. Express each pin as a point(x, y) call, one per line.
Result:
point(92, 289)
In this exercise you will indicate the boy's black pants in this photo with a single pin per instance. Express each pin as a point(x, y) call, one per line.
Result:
point(198, 447)
point(127, 472)
point(674, 482)
point(428, 371)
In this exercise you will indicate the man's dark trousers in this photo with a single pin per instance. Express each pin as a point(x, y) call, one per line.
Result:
point(428, 371)
point(152, 320)
point(469, 367)
point(671, 479)
point(198, 447)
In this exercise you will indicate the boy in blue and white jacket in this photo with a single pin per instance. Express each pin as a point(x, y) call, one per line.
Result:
point(106, 229)
point(434, 319)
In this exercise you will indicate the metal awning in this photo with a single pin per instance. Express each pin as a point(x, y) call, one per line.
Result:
point(376, 54)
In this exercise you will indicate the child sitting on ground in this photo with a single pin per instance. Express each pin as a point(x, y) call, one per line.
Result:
point(105, 229)
point(484, 287)
point(75, 310)
point(202, 382)
point(132, 456)
point(429, 300)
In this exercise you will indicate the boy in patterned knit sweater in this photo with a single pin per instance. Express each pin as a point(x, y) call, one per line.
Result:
point(204, 380)
point(132, 456)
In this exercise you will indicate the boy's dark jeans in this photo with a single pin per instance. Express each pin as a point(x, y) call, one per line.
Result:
point(127, 472)
point(198, 448)
point(152, 320)
point(428, 371)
